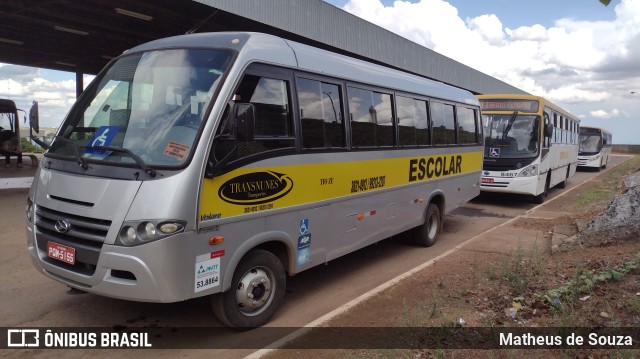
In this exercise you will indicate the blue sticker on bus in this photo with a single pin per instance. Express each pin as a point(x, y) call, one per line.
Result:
point(304, 226)
point(103, 137)
point(304, 249)
point(304, 256)
point(304, 241)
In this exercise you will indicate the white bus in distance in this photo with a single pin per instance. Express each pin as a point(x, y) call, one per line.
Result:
point(531, 145)
point(216, 164)
point(595, 147)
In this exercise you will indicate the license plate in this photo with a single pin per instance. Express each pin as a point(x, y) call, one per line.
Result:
point(61, 253)
point(487, 179)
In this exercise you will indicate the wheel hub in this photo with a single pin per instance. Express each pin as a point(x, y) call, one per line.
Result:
point(254, 291)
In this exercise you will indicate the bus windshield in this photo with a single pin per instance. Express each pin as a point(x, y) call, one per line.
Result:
point(511, 135)
point(590, 143)
point(146, 106)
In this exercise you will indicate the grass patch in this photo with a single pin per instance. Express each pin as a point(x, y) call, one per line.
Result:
point(585, 280)
point(593, 196)
point(633, 305)
point(606, 186)
point(517, 269)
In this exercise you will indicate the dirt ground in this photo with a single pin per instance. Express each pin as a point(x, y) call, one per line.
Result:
point(584, 287)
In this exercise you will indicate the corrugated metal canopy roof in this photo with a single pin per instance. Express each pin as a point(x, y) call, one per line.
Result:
point(81, 36)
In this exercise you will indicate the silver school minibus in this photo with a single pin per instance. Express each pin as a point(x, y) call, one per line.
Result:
point(217, 164)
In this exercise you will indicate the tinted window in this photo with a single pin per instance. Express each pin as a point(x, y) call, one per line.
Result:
point(371, 118)
point(466, 125)
point(273, 126)
point(320, 114)
point(443, 124)
point(413, 122)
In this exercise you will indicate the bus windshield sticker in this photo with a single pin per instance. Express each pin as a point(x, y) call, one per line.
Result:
point(177, 150)
point(494, 152)
point(103, 137)
point(207, 271)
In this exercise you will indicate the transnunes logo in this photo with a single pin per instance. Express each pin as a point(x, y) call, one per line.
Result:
point(76, 338)
point(256, 188)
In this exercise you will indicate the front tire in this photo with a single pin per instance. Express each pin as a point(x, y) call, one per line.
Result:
point(539, 199)
point(256, 292)
point(427, 234)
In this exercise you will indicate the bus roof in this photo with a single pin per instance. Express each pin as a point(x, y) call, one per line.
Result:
point(603, 130)
point(7, 106)
point(258, 47)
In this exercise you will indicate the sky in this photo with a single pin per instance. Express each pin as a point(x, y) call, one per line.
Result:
point(579, 54)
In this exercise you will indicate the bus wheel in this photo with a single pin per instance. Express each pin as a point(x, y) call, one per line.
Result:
point(427, 233)
point(539, 199)
point(563, 184)
point(257, 291)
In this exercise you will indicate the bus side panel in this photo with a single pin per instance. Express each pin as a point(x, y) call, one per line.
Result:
point(565, 155)
point(345, 201)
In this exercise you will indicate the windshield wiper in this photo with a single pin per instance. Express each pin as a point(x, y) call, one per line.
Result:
point(509, 124)
point(81, 161)
point(139, 161)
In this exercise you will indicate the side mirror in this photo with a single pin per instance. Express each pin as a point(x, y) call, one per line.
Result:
point(33, 117)
point(245, 122)
point(34, 123)
point(548, 130)
point(242, 117)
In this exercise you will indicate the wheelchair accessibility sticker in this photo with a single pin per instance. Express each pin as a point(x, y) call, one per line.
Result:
point(494, 152)
point(103, 137)
point(304, 243)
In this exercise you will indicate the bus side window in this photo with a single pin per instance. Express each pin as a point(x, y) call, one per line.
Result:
point(444, 128)
point(320, 114)
point(274, 125)
point(371, 118)
point(466, 126)
point(413, 122)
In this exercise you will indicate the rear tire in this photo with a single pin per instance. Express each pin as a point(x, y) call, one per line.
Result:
point(563, 184)
point(256, 292)
point(427, 233)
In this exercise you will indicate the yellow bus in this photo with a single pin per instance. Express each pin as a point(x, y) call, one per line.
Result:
point(218, 164)
point(530, 144)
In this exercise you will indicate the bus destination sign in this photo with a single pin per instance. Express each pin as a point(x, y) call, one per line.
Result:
point(509, 105)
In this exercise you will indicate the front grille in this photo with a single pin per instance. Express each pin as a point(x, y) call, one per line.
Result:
point(86, 236)
point(495, 185)
point(488, 166)
point(506, 164)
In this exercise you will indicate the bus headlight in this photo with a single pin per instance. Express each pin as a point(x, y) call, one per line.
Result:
point(134, 233)
point(148, 230)
point(128, 235)
point(29, 211)
point(529, 171)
